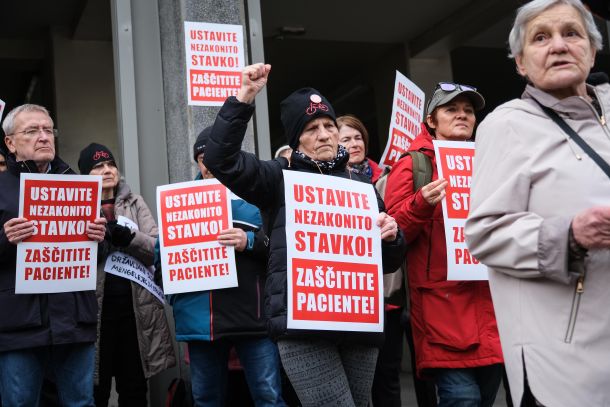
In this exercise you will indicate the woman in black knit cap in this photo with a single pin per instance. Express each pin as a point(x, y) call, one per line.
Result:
point(134, 340)
point(325, 367)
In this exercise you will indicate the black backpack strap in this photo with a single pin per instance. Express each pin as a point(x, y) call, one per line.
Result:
point(577, 139)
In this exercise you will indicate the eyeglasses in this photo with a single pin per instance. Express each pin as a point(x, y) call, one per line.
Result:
point(450, 87)
point(34, 131)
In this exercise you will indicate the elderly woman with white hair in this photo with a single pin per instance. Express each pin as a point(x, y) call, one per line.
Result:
point(540, 211)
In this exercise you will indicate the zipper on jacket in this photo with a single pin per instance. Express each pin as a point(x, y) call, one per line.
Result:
point(211, 319)
point(580, 288)
point(601, 119)
point(258, 297)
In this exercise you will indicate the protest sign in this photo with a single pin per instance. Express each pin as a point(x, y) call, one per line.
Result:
point(454, 161)
point(407, 114)
point(126, 266)
point(191, 215)
point(59, 257)
point(333, 245)
point(214, 60)
point(123, 265)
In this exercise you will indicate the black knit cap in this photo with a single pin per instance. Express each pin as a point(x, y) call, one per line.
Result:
point(301, 107)
point(201, 141)
point(91, 155)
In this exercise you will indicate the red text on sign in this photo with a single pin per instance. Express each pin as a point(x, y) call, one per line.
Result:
point(335, 291)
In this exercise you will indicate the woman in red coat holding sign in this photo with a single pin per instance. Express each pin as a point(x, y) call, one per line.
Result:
point(454, 327)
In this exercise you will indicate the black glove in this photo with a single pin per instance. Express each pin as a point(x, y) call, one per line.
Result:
point(120, 236)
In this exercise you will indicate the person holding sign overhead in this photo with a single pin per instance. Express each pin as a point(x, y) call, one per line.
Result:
point(40, 334)
point(540, 211)
point(134, 339)
point(454, 328)
point(326, 367)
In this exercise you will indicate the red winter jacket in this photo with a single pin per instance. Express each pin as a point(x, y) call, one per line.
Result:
point(454, 324)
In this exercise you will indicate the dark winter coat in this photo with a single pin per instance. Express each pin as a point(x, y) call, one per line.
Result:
point(152, 329)
point(32, 320)
point(262, 184)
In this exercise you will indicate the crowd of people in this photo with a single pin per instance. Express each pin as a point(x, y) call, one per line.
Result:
point(539, 220)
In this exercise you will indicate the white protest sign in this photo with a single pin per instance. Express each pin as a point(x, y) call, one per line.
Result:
point(454, 161)
point(407, 114)
point(214, 61)
point(191, 215)
point(59, 257)
point(126, 266)
point(333, 249)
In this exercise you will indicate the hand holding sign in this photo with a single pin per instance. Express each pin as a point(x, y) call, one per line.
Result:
point(18, 229)
point(233, 237)
point(253, 80)
point(434, 192)
point(388, 226)
point(120, 235)
point(96, 230)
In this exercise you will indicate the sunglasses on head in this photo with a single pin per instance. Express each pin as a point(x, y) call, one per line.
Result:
point(450, 87)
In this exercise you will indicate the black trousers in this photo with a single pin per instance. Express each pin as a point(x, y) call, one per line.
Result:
point(386, 383)
point(120, 357)
point(425, 390)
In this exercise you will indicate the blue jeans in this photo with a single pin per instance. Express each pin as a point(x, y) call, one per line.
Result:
point(69, 366)
point(259, 358)
point(468, 387)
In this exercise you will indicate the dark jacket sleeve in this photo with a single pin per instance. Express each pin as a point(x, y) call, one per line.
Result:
point(242, 172)
point(392, 253)
point(7, 249)
point(260, 248)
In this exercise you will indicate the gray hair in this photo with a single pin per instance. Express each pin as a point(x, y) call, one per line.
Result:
point(532, 9)
point(8, 125)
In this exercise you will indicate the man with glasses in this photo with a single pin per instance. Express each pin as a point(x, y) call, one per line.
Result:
point(40, 334)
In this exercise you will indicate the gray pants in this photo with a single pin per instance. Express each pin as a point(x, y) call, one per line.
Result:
point(325, 374)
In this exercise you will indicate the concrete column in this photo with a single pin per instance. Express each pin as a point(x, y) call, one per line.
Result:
point(427, 72)
point(184, 122)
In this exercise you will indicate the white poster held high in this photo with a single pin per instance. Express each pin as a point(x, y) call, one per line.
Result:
point(214, 61)
point(407, 115)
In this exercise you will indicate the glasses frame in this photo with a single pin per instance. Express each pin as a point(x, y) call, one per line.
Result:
point(38, 131)
point(450, 87)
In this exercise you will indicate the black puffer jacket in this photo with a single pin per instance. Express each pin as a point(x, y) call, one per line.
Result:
point(30, 320)
point(262, 184)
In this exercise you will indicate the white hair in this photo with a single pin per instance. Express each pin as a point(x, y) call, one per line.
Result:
point(532, 9)
point(8, 125)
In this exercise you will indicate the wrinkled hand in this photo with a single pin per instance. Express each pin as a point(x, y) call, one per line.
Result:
point(591, 228)
point(434, 192)
point(233, 237)
point(18, 229)
point(253, 79)
point(389, 227)
point(120, 235)
point(96, 230)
